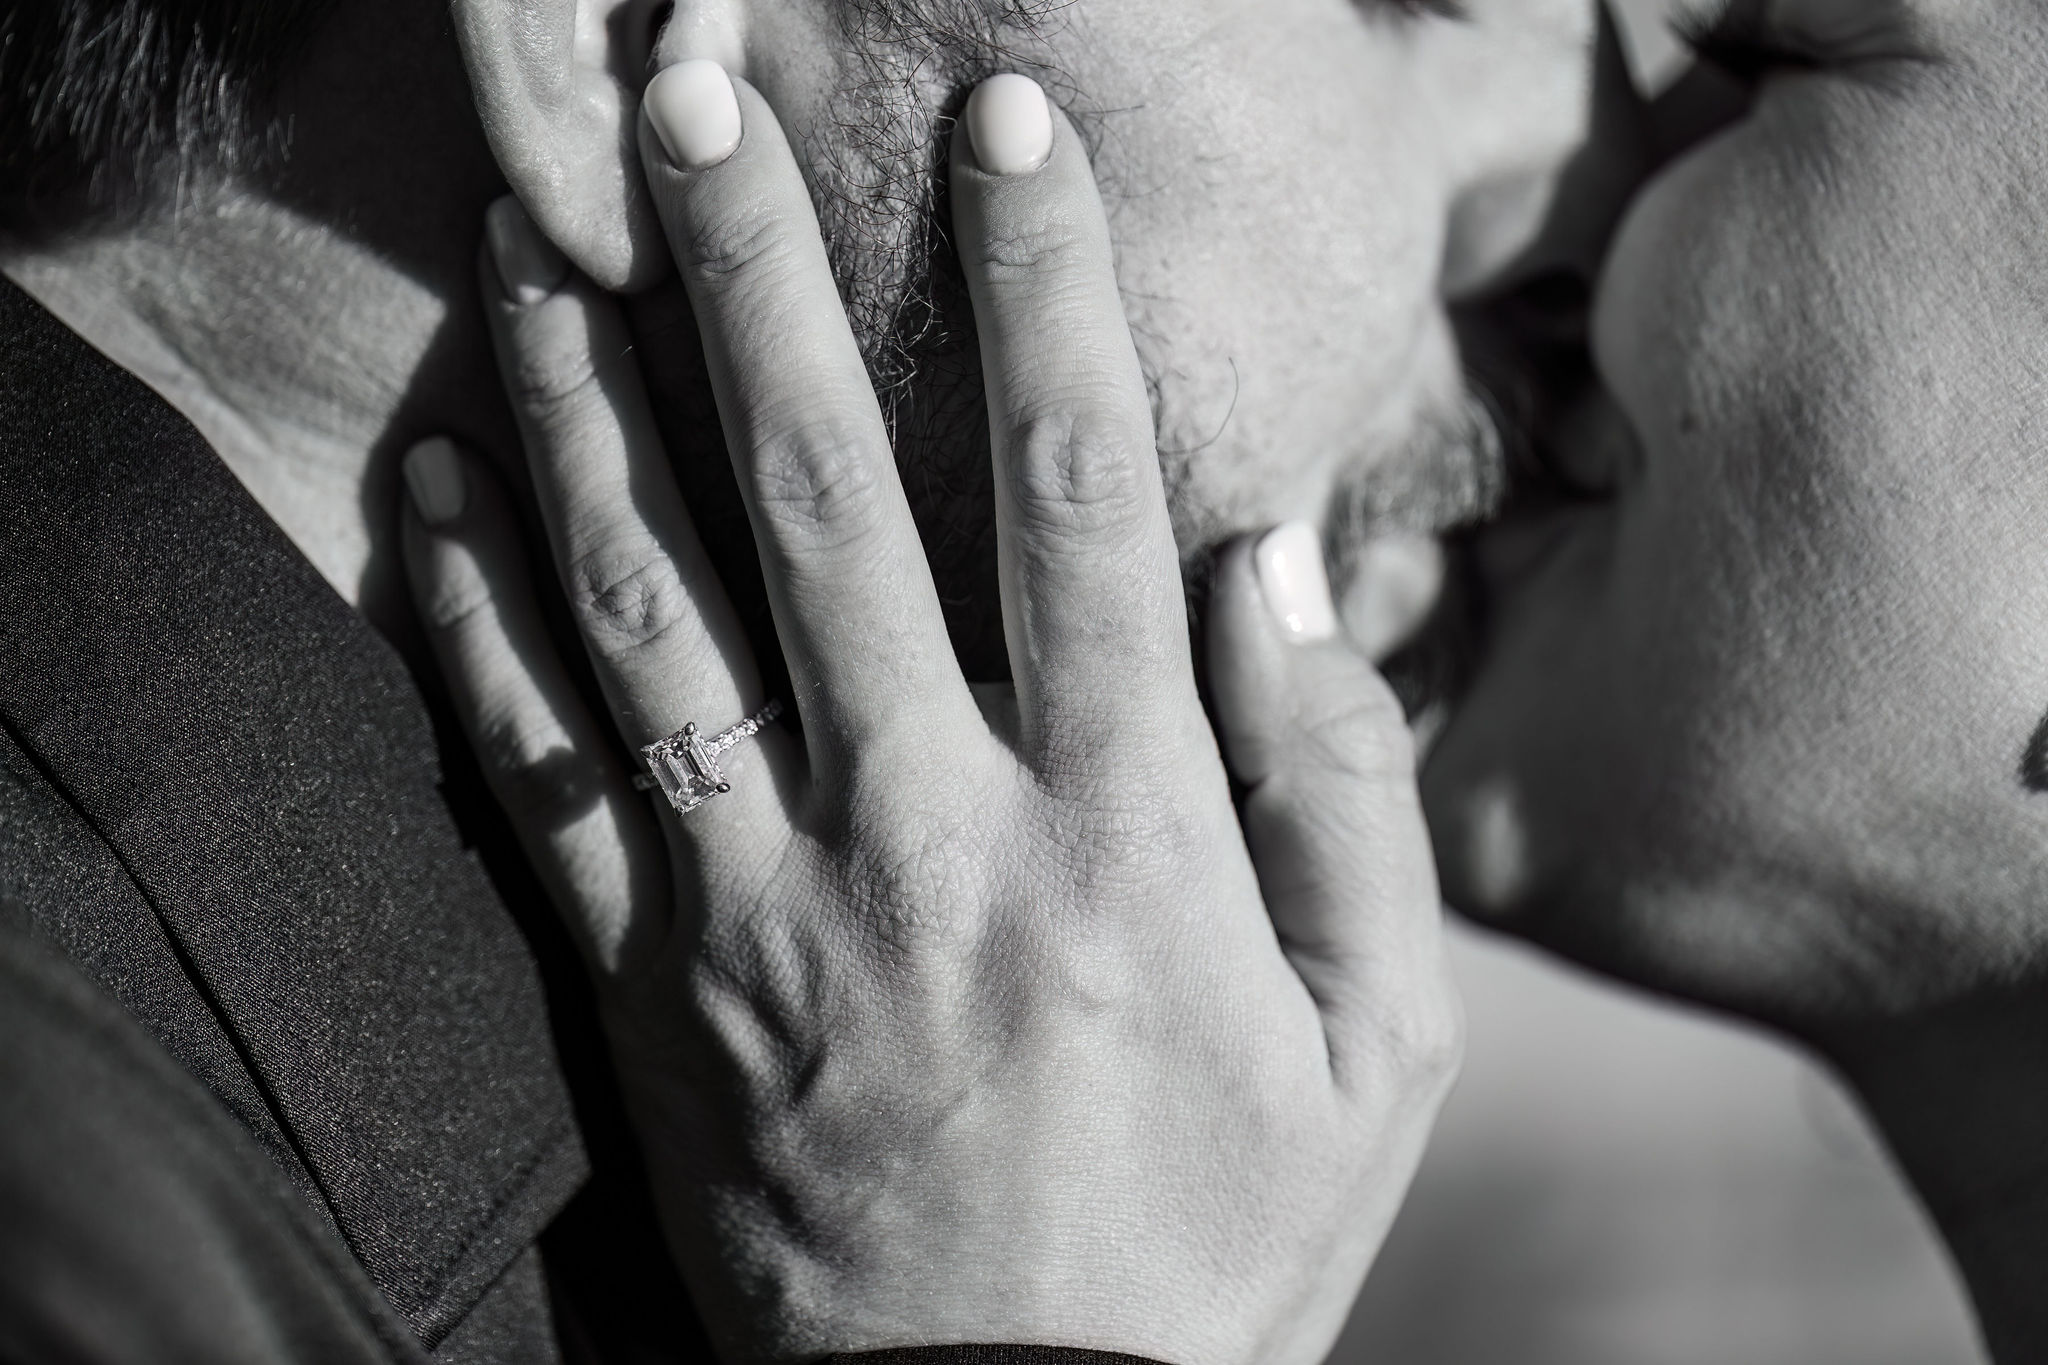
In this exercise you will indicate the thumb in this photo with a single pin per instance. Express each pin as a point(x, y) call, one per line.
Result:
point(1331, 811)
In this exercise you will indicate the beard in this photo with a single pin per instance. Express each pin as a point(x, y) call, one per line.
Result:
point(876, 167)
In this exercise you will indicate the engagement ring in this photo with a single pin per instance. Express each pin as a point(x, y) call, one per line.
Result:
point(685, 765)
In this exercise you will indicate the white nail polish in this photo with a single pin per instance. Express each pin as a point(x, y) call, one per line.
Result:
point(1289, 559)
point(695, 113)
point(529, 267)
point(433, 471)
point(1010, 124)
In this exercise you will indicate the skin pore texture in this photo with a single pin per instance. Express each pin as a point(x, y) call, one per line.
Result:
point(1842, 744)
point(1760, 724)
point(312, 322)
point(1300, 363)
point(315, 319)
point(1758, 729)
point(315, 323)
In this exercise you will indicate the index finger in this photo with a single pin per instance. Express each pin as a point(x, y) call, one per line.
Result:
point(1092, 599)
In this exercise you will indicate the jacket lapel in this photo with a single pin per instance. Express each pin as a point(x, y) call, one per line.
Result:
point(258, 762)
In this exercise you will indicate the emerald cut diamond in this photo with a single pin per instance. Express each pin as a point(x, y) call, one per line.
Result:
point(685, 765)
point(687, 770)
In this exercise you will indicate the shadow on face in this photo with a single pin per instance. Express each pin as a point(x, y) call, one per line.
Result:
point(1755, 721)
point(1293, 184)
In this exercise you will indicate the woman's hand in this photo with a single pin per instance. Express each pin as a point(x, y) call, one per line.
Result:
point(963, 1018)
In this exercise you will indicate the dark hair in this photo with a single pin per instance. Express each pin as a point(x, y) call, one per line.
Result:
point(101, 98)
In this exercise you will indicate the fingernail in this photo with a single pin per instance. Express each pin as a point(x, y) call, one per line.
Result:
point(1010, 124)
point(433, 471)
point(529, 267)
point(694, 112)
point(1289, 559)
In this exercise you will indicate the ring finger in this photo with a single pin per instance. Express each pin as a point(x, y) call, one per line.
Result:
point(661, 634)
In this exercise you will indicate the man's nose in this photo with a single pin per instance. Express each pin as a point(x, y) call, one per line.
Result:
point(1546, 200)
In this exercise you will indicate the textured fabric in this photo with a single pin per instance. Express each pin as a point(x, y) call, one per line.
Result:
point(88, 905)
point(218, 798)
point(139, 1225)
point(258, 765)
point(510, 1325)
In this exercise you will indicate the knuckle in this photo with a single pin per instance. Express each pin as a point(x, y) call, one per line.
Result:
point(1361, 731)
point(1123, 845)
point(817, 478)
point(1427, 1040)
point(1082, 744)
point(1075, 745)
point(626, 595)
point(924, 902)
point(1415, 1024)
point(919, 889)
point(551, 386)
point(536, 774)
point(736, 245)
point(1075, 477)
point(1028, 252)
point(913, 853)
point(555, 372)
point(1113, 758)
point(458, 604)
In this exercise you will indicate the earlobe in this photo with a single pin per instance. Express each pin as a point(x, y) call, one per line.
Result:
point(557, 85)
point(712, 29)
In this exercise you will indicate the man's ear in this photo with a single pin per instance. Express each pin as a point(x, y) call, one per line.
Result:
point(557, 84)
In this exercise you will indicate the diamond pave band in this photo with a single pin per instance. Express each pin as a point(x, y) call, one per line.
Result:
point(685, 765)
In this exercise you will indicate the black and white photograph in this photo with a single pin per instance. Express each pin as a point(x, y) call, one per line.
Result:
point(1023, 682)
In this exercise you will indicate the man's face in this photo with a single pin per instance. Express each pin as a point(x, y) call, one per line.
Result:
point(1290, 184)
point(1756, 727)
point(1282, 177)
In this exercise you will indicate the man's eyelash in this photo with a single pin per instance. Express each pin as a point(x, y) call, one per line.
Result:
point(1418, 9)
point(1736, 38)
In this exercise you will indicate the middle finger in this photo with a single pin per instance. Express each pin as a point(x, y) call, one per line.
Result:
point(1092, 599)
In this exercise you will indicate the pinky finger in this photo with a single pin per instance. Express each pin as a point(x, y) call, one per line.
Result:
point(589, 835)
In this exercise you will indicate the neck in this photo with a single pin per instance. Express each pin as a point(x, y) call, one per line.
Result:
point(313, 325)
point(1963, 1101)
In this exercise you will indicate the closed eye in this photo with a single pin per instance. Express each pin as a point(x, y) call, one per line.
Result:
point(1737, 38)
point(1416, 9)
